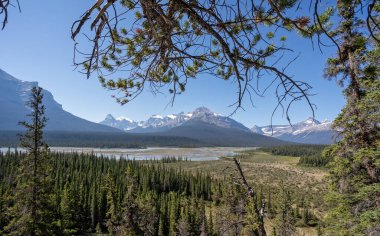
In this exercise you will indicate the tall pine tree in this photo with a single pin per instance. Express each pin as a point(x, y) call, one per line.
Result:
point(355, 174)
point(70, 210)
point(284, 223)
point(32, 213)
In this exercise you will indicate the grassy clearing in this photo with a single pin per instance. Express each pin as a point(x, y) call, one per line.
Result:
point(264, 169)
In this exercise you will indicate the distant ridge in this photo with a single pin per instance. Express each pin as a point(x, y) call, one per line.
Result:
point(310, 131)
point(158, 123)
point(210, 128)
point(222, 136)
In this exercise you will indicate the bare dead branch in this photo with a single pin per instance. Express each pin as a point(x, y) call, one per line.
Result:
point(259, 210)
point(4, 6)
point(372, 23)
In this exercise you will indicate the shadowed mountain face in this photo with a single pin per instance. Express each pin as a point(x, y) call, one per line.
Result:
point(214, 135)
point(310, 131)
point(15, 93)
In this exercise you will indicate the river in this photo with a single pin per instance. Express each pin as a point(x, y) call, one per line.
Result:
point(193, 154)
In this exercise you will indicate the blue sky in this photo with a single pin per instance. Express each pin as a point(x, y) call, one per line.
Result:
point(36, 46)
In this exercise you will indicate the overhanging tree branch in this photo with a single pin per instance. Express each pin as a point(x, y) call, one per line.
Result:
point(170, 42)
point(4, 6)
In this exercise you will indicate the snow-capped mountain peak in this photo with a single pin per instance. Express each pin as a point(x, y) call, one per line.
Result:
point(158, 123)
point(171, 116)
point(121, 118)
point(311, 121)
point(109, 117)
point(256, 129)
point(201, 110)
point(121, 122)
point(307, 131)
point(156, 117)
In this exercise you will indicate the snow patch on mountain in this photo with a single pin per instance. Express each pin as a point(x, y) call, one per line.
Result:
point(122, 118)
point(156, 117)
point(309, 131)
point(171, 116)
point(158, 123)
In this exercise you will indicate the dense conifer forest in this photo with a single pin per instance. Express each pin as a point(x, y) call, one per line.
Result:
point(102, 140)
point(101, 195)
point(310, 155)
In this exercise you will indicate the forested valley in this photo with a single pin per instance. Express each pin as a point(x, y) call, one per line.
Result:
point(89, 194)
point(135, 47)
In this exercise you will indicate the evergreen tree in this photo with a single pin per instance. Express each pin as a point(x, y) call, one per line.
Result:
point(355, 171)
point(70, 210)
point(131, 214)
point(284, 223)
point(203, 219)
point(103, 210)
point(94, 208)
point(114, 217)
point(32, 213)
point(148, 215)
point(163, 223)
point(173, 214)
point(85, 210)
point(270, 209)
point(184, 221)
point(250, 218)
point(195, 217)
point(210, 224)
point(3, 208)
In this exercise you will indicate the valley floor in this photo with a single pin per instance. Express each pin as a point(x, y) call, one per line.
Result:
point(175, 195)
point(150, 153)
point(263, 169)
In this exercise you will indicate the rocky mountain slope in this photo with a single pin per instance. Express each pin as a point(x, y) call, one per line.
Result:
point(158, 123)
point(214, 135)
point(202, 124)
point(310, 131)
point(14, 93)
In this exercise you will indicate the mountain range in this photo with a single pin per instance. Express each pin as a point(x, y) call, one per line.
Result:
point(158, 123)
point(202, 124)
point(64, 128)
point(310, 131)
point(201, 127)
